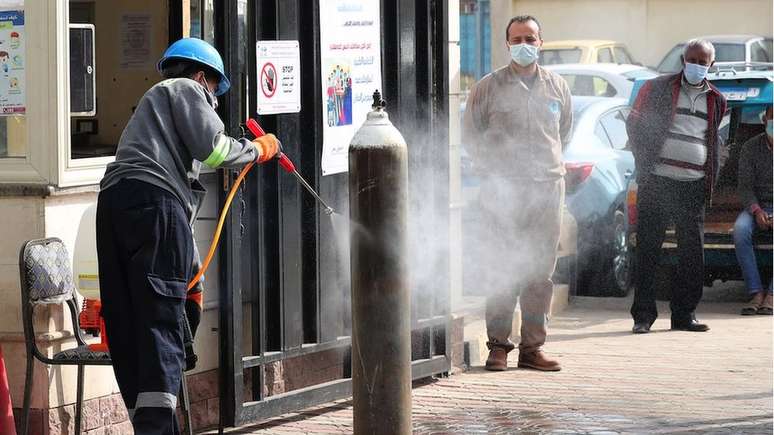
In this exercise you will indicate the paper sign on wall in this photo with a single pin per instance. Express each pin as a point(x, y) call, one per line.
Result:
point(279, 70)
point(351, 62)
point(136, 41)
point(12, 60)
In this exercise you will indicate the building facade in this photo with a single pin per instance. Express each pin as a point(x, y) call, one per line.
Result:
point(650, 28)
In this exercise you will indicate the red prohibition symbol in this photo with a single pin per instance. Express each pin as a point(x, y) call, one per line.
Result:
point(268, 80)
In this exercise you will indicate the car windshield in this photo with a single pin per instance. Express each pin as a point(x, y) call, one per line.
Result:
point(643, 73)
point(557, 56)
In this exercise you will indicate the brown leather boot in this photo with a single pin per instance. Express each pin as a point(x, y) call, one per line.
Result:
point(539, 361)
point(497, 360)
point(498, 354)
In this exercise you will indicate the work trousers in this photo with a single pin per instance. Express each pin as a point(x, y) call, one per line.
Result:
point(745, 229)
point(145, 253)
point(520, 225)
point(662, 201)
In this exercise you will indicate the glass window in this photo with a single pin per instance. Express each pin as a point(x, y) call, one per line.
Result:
point(570, 79)
point(729, 53)
point(195, 14)
point(622, 56)
point(603, 88)
point(208, 25)
point(766, 44)
point(558, 56)
point(759, 53)
point(671, 62)
point(605, 56)
point(114, 67)
point(615, 125)
point(13, 122)
point(582, 85)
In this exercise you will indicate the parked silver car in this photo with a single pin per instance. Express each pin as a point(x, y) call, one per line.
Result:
point(601, 79)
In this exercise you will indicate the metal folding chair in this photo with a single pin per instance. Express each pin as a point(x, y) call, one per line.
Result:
point(46, 278)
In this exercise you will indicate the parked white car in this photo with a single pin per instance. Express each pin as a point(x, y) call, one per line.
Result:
point(601, 79)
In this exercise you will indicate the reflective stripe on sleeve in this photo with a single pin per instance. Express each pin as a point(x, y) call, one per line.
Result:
point(222, 147)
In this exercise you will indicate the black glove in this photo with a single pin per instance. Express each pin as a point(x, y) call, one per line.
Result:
point(193, 315)
point(190, 355)
point(193, 308)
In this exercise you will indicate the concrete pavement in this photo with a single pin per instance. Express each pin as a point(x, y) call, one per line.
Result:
point(612, 382)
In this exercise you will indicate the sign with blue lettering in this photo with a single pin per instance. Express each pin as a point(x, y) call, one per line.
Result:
point(12, 61)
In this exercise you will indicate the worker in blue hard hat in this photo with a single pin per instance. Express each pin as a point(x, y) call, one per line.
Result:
point(147, 203)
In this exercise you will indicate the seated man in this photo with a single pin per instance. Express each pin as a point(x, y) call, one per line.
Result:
point(755, 192)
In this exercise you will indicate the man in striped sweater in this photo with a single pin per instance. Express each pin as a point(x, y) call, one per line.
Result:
point(673, 132)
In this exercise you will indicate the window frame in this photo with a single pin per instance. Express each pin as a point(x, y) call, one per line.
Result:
point(40, 75)
point(71, 172)
point(48, 157)
point(595, 78)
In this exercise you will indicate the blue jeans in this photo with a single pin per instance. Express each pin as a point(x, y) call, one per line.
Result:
point(744, 230)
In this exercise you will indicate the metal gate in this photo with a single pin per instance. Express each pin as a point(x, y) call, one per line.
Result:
point(282, 290)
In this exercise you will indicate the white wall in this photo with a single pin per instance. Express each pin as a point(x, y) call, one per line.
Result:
point(648, 27)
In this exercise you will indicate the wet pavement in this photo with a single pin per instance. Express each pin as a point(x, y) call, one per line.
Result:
point(612, 382)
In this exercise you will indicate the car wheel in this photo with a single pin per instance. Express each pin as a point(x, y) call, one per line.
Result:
point(612, 271)
point(621, 257)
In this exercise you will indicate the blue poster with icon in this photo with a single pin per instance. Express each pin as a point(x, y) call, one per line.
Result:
point(12, 59)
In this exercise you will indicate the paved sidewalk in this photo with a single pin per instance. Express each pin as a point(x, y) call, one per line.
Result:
point(612, 382)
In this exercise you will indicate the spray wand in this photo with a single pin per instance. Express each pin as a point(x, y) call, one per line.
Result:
point(286, 164)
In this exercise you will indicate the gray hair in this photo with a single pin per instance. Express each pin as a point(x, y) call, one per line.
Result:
point(700, 43)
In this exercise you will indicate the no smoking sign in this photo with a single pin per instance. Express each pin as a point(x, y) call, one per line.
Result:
point(268, 80)
point(278, 67)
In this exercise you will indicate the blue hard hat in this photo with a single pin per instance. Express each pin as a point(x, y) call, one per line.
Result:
point(200, 51)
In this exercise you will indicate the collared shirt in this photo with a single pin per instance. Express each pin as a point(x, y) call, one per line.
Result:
point(518, 131)
point(685, 149)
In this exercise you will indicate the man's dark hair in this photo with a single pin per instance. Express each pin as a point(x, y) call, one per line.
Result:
point(186, 69)
point(523, 19)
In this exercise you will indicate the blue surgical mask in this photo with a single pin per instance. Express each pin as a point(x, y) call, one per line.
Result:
point(694, 73)
point(770, 127)
point(524, 54)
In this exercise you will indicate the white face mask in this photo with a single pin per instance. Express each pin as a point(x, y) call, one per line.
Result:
point(695, 73)
point(524, 54)
point(209, 92)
